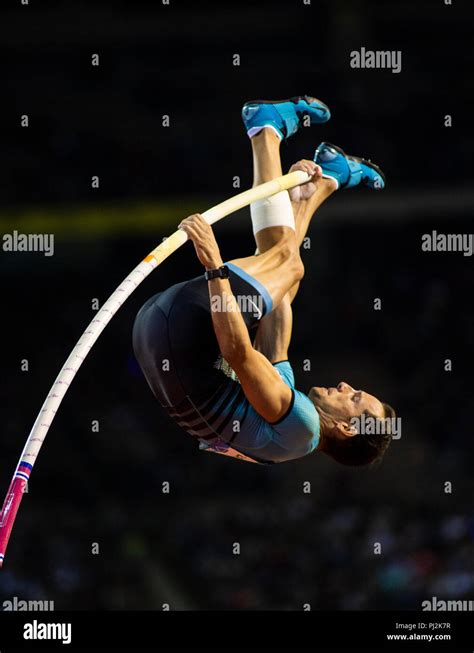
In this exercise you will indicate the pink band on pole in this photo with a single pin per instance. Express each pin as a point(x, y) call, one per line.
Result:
point(8, 514)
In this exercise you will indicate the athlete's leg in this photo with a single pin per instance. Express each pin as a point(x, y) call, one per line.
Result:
point(266, 156)
point(278, 269)
point(267, 166)
point(274, 331)
point(304, 212)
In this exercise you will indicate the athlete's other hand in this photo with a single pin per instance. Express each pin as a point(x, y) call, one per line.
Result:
point(205, 244)
point(305, 191)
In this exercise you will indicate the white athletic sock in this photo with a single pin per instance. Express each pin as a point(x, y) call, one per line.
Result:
point(274, 211)
point(253, 131)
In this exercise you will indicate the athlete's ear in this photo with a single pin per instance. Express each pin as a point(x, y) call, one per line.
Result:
point(345, 429)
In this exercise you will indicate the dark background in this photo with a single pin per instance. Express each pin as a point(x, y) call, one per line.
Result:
point(106, 487)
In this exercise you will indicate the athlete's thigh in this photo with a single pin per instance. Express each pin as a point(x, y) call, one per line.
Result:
point(277, 269)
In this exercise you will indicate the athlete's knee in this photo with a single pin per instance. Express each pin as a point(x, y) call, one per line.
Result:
point(286, 245)
point(299, 268)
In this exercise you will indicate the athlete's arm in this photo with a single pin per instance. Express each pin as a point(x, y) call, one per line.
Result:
point(261, 383)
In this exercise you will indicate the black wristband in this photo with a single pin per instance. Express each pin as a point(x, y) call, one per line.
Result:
point(217, 273)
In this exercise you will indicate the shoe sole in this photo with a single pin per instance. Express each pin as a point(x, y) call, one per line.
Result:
point(295, 100)
point(358, 159)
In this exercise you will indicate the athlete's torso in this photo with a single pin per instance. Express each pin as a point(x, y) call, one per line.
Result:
point(227, 418)
point(176, 347)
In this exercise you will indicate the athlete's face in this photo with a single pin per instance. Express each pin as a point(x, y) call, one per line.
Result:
point(344, 402)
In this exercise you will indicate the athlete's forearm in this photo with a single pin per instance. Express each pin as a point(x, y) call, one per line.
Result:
point(229, 325)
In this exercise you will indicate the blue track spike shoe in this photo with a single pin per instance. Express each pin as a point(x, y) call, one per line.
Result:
point(348, 171)
point(284, 116)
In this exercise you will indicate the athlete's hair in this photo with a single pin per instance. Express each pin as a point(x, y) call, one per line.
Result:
point(363, 448)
